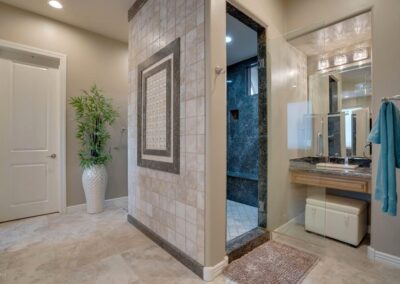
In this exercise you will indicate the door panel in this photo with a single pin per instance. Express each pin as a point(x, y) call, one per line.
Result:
point(30, 91)
point(29, 184)
point(29, 115)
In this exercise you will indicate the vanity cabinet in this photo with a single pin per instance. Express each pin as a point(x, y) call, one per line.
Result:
point(332, 180)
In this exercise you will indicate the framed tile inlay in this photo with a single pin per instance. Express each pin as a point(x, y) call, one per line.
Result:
point(158, 110)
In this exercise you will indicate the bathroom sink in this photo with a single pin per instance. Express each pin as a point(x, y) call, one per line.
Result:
point(334, 166)
point(361, 162)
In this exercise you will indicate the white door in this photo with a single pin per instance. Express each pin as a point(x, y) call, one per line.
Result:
point(29, 140)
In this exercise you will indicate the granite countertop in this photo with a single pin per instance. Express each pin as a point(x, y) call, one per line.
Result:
point(304, 165)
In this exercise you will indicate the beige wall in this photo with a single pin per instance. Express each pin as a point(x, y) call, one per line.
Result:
point(91, 58)
point(385, 230)
point(215, 213)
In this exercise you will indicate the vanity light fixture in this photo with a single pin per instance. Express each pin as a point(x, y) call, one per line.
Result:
point(340, 59)
point(55, 4)
point(323, 63)
point(228, 39)
point(360, 54)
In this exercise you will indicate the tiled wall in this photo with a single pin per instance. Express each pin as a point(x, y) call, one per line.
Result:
point(243, 130)
point(171, 205)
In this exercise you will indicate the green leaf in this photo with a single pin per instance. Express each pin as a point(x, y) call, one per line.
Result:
point(93, 113)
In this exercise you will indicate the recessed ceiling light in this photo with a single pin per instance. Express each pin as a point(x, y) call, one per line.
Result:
point(228, 39)
point(55, 4)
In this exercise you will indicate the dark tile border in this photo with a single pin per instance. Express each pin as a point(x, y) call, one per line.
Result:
point(262, 110)
point(186, 260)
point(262, 128)
point(236, 13)
point(167, 65)
point(174, 167)
point(134, 9)
point(243, 244)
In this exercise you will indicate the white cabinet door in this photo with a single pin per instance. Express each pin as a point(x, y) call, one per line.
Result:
point(29, 143)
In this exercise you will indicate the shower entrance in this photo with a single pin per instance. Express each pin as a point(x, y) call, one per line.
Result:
point(246, 128)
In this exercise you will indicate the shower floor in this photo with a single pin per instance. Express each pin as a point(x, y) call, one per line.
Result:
point(241, 219)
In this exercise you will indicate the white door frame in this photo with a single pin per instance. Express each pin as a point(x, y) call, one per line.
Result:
point(62, 95)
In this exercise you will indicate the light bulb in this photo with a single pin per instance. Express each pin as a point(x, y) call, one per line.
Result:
point(340, 59)
point(323, 63)
point(360, 54)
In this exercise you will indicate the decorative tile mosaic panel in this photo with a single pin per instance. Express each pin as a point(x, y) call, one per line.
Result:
point(158, 110)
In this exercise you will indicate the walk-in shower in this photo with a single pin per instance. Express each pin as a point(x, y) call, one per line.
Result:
point(246, 125)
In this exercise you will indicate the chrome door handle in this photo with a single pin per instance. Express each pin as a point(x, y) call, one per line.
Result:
point(53, 156)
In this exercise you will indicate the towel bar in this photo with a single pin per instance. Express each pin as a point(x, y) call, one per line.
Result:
point(394, 98)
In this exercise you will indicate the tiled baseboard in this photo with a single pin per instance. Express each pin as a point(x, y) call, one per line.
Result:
point(207, 273)
point(186, 260)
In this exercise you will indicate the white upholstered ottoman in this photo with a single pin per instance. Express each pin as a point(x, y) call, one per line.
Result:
point(340, 218)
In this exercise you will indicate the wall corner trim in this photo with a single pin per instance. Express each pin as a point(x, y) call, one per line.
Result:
point(134, 9)
point(382, 257)
point(211, 272)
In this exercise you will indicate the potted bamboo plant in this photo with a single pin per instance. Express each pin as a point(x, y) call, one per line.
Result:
point(94, 113)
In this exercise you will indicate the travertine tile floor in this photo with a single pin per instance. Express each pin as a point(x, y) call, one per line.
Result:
point(104, 248)
point(339, 262)
point(82, 248)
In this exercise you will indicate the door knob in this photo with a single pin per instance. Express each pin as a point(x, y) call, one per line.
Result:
point(53, 156)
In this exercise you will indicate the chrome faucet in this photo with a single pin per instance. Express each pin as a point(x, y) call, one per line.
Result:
point(320, 144)
point(369, 145)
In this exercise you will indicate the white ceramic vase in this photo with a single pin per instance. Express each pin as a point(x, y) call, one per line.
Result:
point(94, 180)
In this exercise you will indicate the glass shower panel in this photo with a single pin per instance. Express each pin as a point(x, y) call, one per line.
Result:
point(297, 208)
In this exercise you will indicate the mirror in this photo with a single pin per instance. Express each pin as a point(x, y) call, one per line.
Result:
point(340, 101)
point(339, 91)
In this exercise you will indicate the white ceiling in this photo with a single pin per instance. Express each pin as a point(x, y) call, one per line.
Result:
point(106, 17)
point(244, 41)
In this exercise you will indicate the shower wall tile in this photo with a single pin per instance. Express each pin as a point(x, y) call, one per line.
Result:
point(243, 136)
point(171, 205)
point(243, 130)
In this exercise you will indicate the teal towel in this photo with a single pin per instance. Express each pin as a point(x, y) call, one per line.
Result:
point(386, 131)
